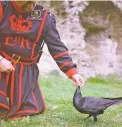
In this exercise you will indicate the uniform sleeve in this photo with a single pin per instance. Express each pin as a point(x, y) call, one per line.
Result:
point(57, 49)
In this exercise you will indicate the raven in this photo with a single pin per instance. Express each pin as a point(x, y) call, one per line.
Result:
point(92, 105)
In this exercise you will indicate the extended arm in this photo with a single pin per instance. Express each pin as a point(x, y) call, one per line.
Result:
point(59, 51)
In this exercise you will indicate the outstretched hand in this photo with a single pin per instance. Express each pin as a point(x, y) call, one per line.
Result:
point(78, 80)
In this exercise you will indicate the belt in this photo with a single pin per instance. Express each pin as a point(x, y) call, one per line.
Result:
point(18, 59)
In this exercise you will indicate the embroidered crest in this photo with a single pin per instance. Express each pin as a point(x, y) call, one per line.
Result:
point(20, 25)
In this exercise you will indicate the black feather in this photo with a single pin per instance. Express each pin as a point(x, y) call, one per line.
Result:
point(92, 105)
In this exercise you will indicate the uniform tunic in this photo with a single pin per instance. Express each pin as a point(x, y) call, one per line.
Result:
point(21, 36)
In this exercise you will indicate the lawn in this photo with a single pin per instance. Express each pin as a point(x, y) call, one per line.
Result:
point(60, 111)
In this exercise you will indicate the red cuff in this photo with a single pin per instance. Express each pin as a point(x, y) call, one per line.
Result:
point(71, 72)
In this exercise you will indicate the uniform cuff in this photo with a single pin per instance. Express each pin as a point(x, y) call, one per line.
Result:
point(71, 72)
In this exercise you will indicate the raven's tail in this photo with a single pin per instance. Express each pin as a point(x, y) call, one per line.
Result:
point(117, 100)
point(120, 98)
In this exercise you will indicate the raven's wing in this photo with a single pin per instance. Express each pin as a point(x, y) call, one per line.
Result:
point(95, 104)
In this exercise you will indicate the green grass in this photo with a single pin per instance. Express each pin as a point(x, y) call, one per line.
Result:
point(60, 111)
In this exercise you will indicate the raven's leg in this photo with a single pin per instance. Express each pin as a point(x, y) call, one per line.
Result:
point(95, 118)
point(87, 117)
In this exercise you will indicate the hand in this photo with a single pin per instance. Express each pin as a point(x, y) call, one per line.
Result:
point(78, 80)
point(5, 65)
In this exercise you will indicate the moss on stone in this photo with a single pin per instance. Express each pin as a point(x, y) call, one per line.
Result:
point(92, 28)
point(102, 12)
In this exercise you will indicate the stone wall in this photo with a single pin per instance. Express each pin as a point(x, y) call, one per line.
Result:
point(84, 28)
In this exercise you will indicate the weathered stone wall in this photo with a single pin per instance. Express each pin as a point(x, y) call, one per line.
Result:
point(84, 28)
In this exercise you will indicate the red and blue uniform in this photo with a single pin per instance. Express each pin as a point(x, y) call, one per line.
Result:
point(21, 38)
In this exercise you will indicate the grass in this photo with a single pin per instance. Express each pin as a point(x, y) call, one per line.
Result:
point(60, 111)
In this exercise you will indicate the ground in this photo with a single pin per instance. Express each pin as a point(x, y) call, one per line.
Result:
point(60, 111)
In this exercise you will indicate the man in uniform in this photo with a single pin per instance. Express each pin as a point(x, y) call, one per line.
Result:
point(24, 27)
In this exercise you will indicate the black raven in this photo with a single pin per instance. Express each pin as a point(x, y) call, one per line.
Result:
point(92, 105)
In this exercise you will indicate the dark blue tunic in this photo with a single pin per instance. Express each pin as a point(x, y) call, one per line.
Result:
point(18, 34)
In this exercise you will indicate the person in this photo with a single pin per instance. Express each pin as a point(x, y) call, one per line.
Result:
point(24, 27)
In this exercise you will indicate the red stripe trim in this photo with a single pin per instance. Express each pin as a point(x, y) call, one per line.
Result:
point(4, 106)
point(42, 97)
point(12, 86)
point(32, 111)
point(40, 32)
point(34, 45)
point(35, 101)
point(1, 11)
point(2, 52)
point(41, 26)
point(34, 58)
point(12, 89)
point(20, 86)
point(27, 111)
point(60, 54)
point(3, 93)
point(7, 79)
point(71, 72)
point(65, 64)
point(12, 60)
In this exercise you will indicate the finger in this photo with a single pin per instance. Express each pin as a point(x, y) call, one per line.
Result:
point(76, 82)
point(80, 82)
point(12, 67)
point(9, 70)
point(1, 67)
point(3, 70)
